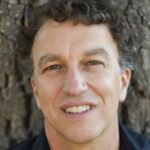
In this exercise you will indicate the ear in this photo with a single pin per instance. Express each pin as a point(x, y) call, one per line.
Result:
point(125, 80)
point(35, 91)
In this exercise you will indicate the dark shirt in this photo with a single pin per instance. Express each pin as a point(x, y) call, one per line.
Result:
point(129, 140)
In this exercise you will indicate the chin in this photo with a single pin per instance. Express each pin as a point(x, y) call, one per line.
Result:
point(85, 136)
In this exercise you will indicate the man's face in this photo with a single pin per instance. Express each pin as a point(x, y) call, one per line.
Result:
point(77, 80)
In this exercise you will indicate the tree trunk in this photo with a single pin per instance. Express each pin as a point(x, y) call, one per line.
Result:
point(19, 117)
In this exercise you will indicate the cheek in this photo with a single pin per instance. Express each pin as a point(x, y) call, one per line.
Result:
point(48, 89)
point(106, 86)
point(107, 89)
point(47, 94)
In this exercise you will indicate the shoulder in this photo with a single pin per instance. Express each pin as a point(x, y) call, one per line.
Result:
point(142, 141)
point(136, 140)
point(38, 142)
point(24, 145)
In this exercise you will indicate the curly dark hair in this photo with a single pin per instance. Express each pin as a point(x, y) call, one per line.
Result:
point(90, 12)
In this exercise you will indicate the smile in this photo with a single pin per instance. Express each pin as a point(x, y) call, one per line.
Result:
point(78, 109)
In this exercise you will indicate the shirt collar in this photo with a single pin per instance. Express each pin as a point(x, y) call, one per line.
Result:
point(41, 142)
point(126, 139)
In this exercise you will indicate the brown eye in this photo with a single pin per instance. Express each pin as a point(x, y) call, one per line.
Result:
point(55, 67)
point(94, 62)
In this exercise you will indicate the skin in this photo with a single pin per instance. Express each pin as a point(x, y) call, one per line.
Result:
point(77, 65)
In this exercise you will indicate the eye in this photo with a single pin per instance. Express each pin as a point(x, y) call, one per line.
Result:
point(54, 67)
point(95, 62)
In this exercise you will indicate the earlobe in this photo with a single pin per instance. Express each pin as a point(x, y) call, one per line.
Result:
point(35, 91)
point(125, 80)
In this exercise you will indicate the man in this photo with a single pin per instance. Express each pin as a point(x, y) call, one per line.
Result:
point(82, 57)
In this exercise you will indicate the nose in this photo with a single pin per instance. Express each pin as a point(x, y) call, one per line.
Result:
point(74, 83)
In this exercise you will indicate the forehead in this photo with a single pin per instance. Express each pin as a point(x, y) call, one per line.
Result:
point(66, 37)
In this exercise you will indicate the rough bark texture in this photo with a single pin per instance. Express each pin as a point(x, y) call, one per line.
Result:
point(19, 117)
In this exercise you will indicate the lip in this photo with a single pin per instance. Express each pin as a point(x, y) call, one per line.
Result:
point(76, 104)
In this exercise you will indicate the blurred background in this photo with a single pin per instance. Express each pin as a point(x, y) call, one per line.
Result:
point(19, 117)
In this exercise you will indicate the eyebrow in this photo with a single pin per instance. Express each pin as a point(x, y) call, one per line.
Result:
point(97, 51)
point(47, 58)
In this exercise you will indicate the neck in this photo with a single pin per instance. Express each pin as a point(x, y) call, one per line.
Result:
point(109, 139)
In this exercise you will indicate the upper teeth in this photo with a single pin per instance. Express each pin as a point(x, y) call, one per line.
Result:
point(78, 109)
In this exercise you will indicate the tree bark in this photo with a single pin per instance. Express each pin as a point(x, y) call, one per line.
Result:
point(19, 117)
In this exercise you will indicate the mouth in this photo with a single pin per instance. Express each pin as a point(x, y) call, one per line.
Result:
point(78, 109)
